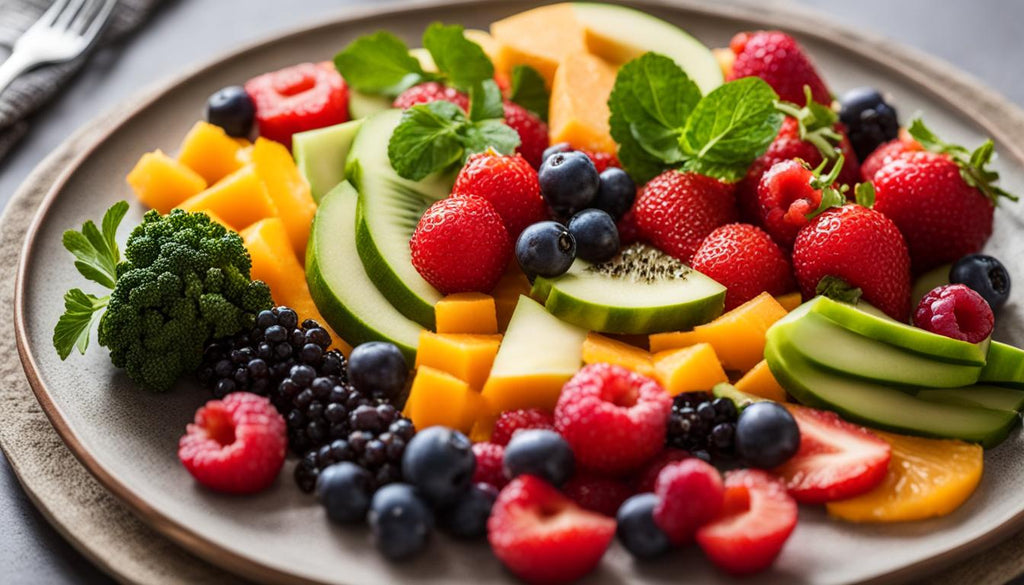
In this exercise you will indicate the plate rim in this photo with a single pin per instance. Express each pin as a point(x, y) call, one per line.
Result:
point(959, 90)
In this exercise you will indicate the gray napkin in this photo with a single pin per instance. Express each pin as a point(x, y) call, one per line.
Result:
point(34, 88)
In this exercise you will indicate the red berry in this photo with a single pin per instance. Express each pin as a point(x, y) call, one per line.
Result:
point(236, 445)
point(509, 183)
point(786, 197)
point(746, 261)
point(885, 154)
point(542, 536)
point(613, 419)
point(836, 459)
point(778, 59)
point(511, 421)
point(533, 132)
point(430, 91)
point(461, 245)
point(690, 494)
point(603, 160)
point(645, 479)
point(860, 246)
point(298, 98)
point(676, 211)
point(955, 311)
point(489, 458)
point(629, 233)
point(596, 493)
point(940, 215)
point(756, 520)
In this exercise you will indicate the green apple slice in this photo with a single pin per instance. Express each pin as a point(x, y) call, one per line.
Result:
point(985, 396)
point(1005, 366)
point(320, 155)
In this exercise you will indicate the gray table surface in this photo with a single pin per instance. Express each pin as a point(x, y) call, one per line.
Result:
point(979, 36)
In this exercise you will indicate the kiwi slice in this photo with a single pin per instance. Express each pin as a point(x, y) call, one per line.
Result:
point(640, 291)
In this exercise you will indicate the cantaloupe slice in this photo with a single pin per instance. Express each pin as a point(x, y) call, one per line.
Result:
point(440, 399)
point(467, 357)
point(759, 381)
point(579, 102)
point(240, 199)
point(598, 349)
point(209, 151)
point(162, 183)
point(483, 38)
point(690, 369)
point(790, 301)
point(288, 190)
point(513, 284)
point(466, 313)
point(540, 38)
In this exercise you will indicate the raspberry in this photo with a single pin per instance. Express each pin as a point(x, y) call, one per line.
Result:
point(746, 261)
point(488, 464)
point(644, 480)
point(613, 419)
point(603, 160)
point(690, 495)
point(676, 211)
point(785, 197)
point(955, 311)
point(509, 183)
point(430, 91)
point(533, 132)
point(511, 421)
point(298, 98)
point(236, 445)
point(461, 245)
point(596, 493)
point(886, 153)
point(629, 233)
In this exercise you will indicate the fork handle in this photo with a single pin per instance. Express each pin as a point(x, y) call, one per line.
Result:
point(14, 66)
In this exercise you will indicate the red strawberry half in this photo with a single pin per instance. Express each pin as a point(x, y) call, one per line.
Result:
point(298, 98)
point(837, 460)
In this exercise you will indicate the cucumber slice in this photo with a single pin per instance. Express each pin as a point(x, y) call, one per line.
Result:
point(320, 155)
point(341, 288)
point(739, 398)
point(1005, 366)
point(389, 209)
point(985, 396)
point(928, 281)
point(363, 105)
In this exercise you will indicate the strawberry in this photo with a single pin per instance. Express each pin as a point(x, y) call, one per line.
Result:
point(886, 153)
point(789, 193)
point(778, 59)
point(836, 460)
point(860, 247)
point(757, 518)
point(603, 160)
point(533, 132)
point(644, 480)
point(430, 91)
point(676, 211)
point(597, 493)
point(298, 98)
point(746, 261)
point(461, 245)
point(628, 231)
point(690, 494)
point(509, 183)
point(542, 536)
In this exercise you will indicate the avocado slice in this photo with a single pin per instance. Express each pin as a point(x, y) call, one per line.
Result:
point(1005, 366)
point(341, 288)
point(985, 396)
point(739, 398)
point(320, 155)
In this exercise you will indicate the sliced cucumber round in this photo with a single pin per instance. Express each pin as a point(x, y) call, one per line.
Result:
point(1005, 366)
point(985, 396)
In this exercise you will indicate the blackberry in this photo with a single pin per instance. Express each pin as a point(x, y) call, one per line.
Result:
point(703, 425)
point(377, 451)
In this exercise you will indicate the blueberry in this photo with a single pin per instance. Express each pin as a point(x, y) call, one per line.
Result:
point(343, 489)
point(440, 463)
point(378, 368)
point(637, 530)
point(554, 149)
point(615, 193)
point(232, 109)
point(542, 453)
point(468, 517)
point(986, 275)
point(545, 248)
point(869, 119)
point(568, 181)
point(766, 435)
point(400, 521)
point(596, 235)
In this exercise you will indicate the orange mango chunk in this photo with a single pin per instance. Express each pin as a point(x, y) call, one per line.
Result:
point(162, 183)
point(466, 313)
point(287, 188)
point(579, 103)
point(244, 154)
point(690, 369)
point(540, 38)
point(218, 219)
point(790, 301)
point(598, 349)
point(239, 198)
point(927, 478)
point(483, 428)
point(467, 357)
point(209, 151)
point(440, 399)
point(759, 381)
point(737, 336)
point(506, 293)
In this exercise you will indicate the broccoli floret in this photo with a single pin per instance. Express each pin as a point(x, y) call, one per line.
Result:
point(184, 280)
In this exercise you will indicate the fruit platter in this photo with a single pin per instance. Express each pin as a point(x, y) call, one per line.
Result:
point(581, 292)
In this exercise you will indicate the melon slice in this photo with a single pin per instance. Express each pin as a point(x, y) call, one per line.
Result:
point(540, 38)
point(579, 102)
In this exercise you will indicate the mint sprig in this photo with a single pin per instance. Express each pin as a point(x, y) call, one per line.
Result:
point(462, 62)
point(528, 90)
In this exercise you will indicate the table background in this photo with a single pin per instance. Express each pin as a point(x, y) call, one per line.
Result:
point(981, 37)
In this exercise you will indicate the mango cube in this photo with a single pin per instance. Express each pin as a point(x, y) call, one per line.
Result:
point(790, 301)
point(466, 313)
point(579, 102)
point(759, 381)
point(483, 428)
point(287, 188)
point(440, 399)
point(690, 369)
point(506, 293)
point(239, 199)
point(598, 349)
point(467, 357)
point(162, 183)
point(209, 151)
point(216, 218)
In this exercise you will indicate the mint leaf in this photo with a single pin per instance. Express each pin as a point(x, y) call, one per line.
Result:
point(838, 289)
point(73, 328)
point(485, 101)
point(490, 134)
point(462, 61)
point(96, 253)
point(664, 91)
point(427, 139)
point(640, 164)
point(528, 90)
point(380, 63)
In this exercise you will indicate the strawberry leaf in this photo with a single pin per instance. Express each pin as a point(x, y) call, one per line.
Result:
point(838, 289)
point(865, 194)
point(973, 164)
point(816, 124)
point(830, 195)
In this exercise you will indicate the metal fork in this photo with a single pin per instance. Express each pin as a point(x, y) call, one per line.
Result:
point(62, 33)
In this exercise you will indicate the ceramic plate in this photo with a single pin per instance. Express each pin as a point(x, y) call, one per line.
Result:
point(128, 438)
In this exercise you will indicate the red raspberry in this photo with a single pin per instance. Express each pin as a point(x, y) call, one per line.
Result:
point(430, 91)
point(645, 479)
point(786, 197)
point(779, 60)
point(509, 183)
point(603, 160)
point(955, 311)
point(596, 493)
point(461, 245)
point(298, 98)
point(236, 445)
point(533, 132)
point(676, 211)
point(629, 233)
point(613, 419)
point(489, 470)
point(511, 421)
point(746, 261)
point(542, 536)
point(886, 153)
point(690, 494)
